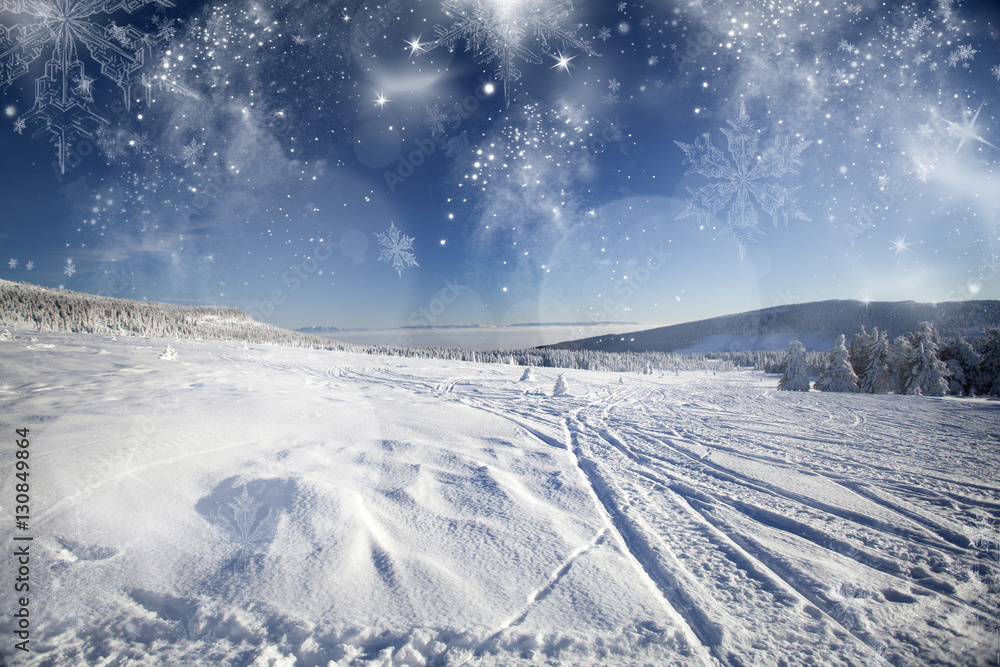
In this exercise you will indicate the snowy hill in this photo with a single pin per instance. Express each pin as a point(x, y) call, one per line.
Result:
point(816, 325)
point(23, 305)
point(279, 506)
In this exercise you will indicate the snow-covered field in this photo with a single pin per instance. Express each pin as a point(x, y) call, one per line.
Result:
point(285, 506)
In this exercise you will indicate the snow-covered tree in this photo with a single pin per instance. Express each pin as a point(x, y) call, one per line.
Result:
point(794, 378)
point(858, 352)
point(963, 364)
point(170, 354)
point(989, 366)
point(925, 374)
point(899, 352)
point(528, 375)
point(876, 379)
point(561, 388)
point(838, 375)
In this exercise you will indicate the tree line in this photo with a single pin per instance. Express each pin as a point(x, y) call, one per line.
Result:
point(916, 363)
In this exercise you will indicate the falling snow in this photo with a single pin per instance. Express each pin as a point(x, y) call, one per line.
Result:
point(495, 31)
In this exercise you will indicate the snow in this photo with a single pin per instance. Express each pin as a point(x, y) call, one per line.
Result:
point(418, 512)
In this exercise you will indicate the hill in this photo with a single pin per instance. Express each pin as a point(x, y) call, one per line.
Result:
point(816, 324)
point(23, 305)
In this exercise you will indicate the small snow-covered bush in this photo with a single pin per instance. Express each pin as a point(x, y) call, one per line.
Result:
point(170, 354)
point(561, 388)
point(6, 335)
point(528, 375)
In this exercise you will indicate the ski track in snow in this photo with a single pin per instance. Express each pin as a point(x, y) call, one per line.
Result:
point(429, 512)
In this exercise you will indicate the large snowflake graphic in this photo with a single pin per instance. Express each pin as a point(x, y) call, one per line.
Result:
point(747, 174)
point(496, 30)
point(396, 249)
point(64, 104)
point(250, 539)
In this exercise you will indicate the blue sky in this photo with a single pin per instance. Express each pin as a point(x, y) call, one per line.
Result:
point(265, 147)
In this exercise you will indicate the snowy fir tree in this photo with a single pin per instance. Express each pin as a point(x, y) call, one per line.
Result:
point(528, 375)
point(794, 378)
point(858, 352)
point(899, 352)
point(561, 388)
point(838, 375)
point(925, 372)
point(876, 379)
point(989, 366)
point(963, 364)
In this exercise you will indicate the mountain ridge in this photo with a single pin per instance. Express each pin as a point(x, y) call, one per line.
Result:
point(817, 322)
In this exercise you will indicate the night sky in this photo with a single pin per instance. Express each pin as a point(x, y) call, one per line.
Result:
point(501, 161)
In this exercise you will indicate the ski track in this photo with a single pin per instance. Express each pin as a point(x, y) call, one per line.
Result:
point(673, 472)
point(699, 483)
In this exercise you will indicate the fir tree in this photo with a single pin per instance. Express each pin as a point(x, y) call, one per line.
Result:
point(528, 375)
point(963, 364)
point(924, 370)
point(838, 375)
point(877, 379)
point(561, 388)
point(989, 365)
point(794, 378)
point(858, 352)
point(899, 352)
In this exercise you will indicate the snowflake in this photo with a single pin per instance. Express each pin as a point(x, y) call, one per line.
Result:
point(646, 22)
point(165, 29)
point(963, 53)
point(64, 29)
point(934, 67)
point(921, 57)
point(604, 34)
point(250, 540)
point(140, 143)
point(12, 263)
point(924, 131)
point(748, 176)
point(996, 71)
point(610, 99)
point(753, 89)
point(495, 31)
point(120, 34)
point(70, 268)
point(435, 119)
point(844, 45)
point(621, 6)
point(396, 249)
point(299, 39)
point(919, 26)
point(854, 9)
point(29, 266)
point(191, 152)
point(653, 60)
point(613, 85)
point(19, 125)
point(841, 76)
